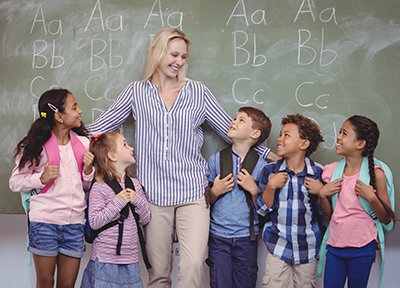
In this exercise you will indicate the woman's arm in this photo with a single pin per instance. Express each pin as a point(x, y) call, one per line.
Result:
point(219, 120)
point(114, 116)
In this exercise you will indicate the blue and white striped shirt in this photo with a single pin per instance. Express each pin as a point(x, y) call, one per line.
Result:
point(168, 142)
point(293, 234)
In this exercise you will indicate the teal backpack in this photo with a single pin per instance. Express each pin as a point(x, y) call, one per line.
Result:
point(26, 201)
point(383, 229)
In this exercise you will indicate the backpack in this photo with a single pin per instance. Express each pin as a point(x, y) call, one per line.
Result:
point(26, 202)
point(249, 163)
point(91, 234)
point(382, 229)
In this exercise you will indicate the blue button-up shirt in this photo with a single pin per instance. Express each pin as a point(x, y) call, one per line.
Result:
point(230, 216)
point(293, 234)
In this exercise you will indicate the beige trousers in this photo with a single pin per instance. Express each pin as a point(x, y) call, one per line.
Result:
point(281, 274)
point(191, 221)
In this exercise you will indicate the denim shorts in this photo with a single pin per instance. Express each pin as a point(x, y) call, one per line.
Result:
point(106, 275)
point(50, 239)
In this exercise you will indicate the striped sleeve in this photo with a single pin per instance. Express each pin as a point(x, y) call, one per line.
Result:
point(114, 116)
point(141, 204)
point(219, 120)
point(216, 116)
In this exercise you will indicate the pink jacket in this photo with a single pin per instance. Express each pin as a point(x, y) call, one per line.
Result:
point(64, 201)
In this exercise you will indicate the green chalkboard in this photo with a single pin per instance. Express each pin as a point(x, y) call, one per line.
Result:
point(325, 59)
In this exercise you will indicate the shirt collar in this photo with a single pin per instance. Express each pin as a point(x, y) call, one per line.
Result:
point(309, 167)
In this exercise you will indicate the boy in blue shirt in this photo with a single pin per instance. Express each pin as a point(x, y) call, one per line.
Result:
point(293, 236)
point(234, 222)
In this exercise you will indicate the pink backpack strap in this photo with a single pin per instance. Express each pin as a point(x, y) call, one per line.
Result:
point(79, 149)
point(51, 147)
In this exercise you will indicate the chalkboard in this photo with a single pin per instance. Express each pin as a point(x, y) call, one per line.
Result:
point(325, 59)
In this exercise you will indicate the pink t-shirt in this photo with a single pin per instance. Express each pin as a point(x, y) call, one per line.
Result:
point(64, 203)
point(350, 225)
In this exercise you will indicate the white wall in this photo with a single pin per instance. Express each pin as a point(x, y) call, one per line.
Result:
point(16, 273)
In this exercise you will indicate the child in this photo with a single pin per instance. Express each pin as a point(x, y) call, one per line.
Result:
point(292, 236)
point(106, 267)
point(353, 234)
point(62, 170)
point(234, 222)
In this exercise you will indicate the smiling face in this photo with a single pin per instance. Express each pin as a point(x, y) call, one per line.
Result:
point(289, 142)
point(174, 59)
point(347, 142)
point(71, 116)
point(241, 127)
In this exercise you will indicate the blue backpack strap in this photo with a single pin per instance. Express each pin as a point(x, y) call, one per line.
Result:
point(337, 174)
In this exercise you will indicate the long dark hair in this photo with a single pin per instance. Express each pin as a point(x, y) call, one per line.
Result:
point(367, 130)
point(40, 131)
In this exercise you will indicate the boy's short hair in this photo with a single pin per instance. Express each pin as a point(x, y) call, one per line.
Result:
point(260, 122)
point(308, 130)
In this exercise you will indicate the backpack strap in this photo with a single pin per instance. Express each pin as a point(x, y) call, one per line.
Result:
point(249, 163)
point(124, 215)
point(129, 183)
point(51, 147)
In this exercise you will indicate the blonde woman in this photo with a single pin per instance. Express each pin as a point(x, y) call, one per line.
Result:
point(168, 109)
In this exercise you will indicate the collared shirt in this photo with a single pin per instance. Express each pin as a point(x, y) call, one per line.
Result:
point(105, 207)
point(230, 216)
point(64, 203)
point(168, 141)
point(293, 234)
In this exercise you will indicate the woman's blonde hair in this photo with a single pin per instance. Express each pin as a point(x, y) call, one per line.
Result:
point(100, 145)
point(160, 43)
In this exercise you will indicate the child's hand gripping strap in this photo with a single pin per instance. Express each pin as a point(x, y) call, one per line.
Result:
point(53, 154)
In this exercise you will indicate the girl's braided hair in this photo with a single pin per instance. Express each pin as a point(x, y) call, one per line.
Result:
point(367, 130)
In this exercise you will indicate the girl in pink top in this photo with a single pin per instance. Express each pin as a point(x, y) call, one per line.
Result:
point(353, 234)
point(62, 170)
point(108, 266)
